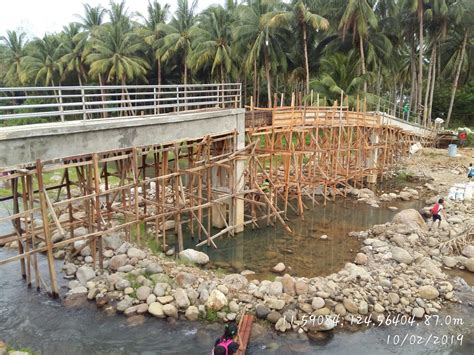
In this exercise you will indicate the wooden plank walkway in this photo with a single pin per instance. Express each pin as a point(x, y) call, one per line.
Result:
point(245, 327)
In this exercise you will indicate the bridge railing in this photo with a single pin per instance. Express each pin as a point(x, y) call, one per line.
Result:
point(26, 105)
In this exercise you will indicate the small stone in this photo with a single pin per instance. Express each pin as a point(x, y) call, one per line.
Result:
point(153, 268)
point(128, 290)
point(468, 251)
point(262, 311)
point(282, 325)
point(117, 261)
point(194, 256)
point(323, 237)
point(363, 307)
point(469, 264)
point(350, 306)
point(275, 303)
point(393, 298)
point(136, 253)
point(340, 309)
point(317, 303)
point(361, 259)
point(301, 287)
point(124, 304)
point(418, 312)
point(273, 317)
point(182, 300)
point(280, 267)
point(165, 299)
point(428, 292)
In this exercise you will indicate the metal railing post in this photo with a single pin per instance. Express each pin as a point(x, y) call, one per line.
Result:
point(61, 108)
point(83, 98)
point(177, 98)
point(154, 100)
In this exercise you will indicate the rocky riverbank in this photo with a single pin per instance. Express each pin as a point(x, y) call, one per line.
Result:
point(399, 270)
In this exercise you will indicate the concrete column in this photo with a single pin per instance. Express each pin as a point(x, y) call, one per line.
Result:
point(239, 181)
point(373, 157)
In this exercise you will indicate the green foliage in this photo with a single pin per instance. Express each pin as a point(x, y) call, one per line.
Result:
point(211, 316)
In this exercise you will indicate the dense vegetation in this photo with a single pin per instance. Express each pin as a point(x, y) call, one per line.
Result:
point(414, 53)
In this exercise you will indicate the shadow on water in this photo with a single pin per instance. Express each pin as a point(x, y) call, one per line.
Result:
point(304, 252)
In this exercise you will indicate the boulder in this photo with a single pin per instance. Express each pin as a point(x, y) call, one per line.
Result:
point(317, 303)
point(401, 255)
point(411, 218)
point(469, 264)
point(468, 251)
point(194, 256)
point(428, 292)
point(112, 242)
point(156, 309)
point(288, 285)
point(136, 253)
point(361, 259)
point(192, 313)
point(182, 300)
point(262, 311)
point(235, 282)
point(276, 288)
point(280, 267)
point(216, 300)
point(84, 274)
point(185, 279)
point(275, 303)
point(118, 261)
point(170, 311)
point(154, 268)
point(143, 292)
point(160, 289)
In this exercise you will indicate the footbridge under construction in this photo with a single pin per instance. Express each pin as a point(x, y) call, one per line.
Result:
point(79, 164)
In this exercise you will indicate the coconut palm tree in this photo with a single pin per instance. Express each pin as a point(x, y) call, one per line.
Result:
point(261, 33)
point(212, 43)
point(74, 44)
point(304, 17)
point(42, 63)
point(93, 17)
point(153, 36)
point(358, 17)
point(13, 54)
point(179, 34)
point(117, 55)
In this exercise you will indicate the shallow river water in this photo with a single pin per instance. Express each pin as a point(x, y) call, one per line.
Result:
point(31, 319)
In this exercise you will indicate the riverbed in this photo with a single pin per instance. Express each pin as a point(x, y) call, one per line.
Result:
point(31, 319)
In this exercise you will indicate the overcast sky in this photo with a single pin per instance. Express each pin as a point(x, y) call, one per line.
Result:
point(36, 17)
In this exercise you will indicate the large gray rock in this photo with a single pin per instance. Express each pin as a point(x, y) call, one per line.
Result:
point(356, 272)
point(185, 279)
point(154, 268)
point(262, 311)
point(85, 273)
point(401, 255)
point(122, 284)
point(124, 304)
point(430, 267)
point(276, 288)
point(143, 292)
point(182, 300)
point(235, 282)
point(112, 242)
point(411, 218)
point(136, 253)
point(160, 289)
point(194, 256)
point(118, 261)
point(217, 300)
point(275, 303)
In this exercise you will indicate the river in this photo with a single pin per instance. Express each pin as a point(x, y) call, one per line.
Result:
point(31, 319)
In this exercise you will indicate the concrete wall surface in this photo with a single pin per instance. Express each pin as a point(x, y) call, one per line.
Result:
point(21, 145)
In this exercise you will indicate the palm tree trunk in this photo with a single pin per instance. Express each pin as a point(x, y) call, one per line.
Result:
point(413, 80)
point(362, 60)
point(306, 63)
point(267, 74)
point(401, 100)
point(420, 58)
point(433, 81)
point(456, 79)
point(428, 85)
point(158, 69)
point(255, 83)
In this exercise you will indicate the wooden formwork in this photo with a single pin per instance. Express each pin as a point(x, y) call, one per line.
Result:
point(153, 189)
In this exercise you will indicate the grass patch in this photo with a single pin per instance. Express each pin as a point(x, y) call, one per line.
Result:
point(211, 315)
point(404, 176)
